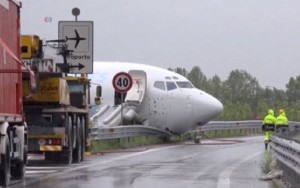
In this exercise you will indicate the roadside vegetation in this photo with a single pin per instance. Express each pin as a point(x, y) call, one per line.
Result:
point(265, 165)
point(243, 97)
point(269, 165)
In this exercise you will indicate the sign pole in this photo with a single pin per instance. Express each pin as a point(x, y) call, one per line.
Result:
point(121, 108)
point(76, 12)
point(122, 83)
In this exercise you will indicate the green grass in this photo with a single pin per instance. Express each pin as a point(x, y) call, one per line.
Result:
point(266, 162)
point(277, 184)
point(267, 165)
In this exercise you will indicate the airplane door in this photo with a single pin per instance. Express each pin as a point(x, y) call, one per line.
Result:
point(135, 95)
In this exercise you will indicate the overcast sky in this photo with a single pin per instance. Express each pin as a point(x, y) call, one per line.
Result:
point(261, 37)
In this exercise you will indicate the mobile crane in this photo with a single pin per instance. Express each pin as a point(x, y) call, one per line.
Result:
point(58, 113)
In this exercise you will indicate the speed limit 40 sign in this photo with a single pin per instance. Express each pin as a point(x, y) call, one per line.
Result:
point(122, 82)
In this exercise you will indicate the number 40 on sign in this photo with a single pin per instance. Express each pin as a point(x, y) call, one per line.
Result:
point(122, 82)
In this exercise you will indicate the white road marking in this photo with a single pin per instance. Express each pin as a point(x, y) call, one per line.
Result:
point(224, 177)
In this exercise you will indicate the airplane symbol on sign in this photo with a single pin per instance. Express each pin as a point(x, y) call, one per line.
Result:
point(77, 38)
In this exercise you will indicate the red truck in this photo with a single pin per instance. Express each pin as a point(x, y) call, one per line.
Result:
point(13, 129)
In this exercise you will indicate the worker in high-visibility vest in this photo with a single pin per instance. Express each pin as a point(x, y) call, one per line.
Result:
point(282, 122)
point(268, 126)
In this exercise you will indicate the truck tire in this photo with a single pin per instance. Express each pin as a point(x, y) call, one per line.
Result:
point(5, 165)
point(83, 139)
point(77, 149)
point(25, 155)
point(18, 170)
point(67, 155)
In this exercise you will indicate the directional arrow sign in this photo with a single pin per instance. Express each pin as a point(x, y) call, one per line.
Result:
point(79, 66)
point(78, 35)
point(69, 68)
point(122, 82)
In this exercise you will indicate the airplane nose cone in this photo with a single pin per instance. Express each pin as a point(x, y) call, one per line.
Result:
point(216, 107)
point(209, 106)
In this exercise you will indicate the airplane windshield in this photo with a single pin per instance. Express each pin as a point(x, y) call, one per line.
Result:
point(171, 86)
point(183, 84)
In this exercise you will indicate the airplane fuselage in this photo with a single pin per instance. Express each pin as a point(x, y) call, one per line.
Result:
point(167, 100)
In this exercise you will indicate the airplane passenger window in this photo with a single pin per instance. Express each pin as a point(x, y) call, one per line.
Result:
point(182, 84)
point(160, 85)
point(171, 86)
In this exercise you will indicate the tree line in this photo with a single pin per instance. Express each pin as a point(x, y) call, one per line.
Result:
point(242, 96)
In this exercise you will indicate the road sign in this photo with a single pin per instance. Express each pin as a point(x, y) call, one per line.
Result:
point(122, 82)
point(78, 35)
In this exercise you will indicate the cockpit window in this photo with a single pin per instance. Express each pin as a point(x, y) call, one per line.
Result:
point(183, 84)
point(160, 85)
point(171, 85)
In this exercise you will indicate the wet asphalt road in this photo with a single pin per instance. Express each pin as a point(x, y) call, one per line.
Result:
point(213, 164)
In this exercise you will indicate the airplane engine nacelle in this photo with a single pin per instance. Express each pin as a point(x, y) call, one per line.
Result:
point(131, 115)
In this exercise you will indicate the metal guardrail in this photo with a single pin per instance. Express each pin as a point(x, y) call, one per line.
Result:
point(114, 132)
point(231, 125)
point(240, 124)
point(287, 153)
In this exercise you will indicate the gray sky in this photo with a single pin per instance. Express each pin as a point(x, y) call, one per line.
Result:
point(259, 36)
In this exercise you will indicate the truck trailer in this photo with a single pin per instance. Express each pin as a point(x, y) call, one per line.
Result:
point(57, 114)
point(13, 129)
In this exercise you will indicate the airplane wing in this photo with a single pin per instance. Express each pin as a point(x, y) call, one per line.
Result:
point(77, 38)
point(77, 35)
point(77, 42)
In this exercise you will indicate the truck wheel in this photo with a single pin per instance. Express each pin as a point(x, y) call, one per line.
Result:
point(18, 170)
point(25, 155)
point(68, 153)
point(5, 165)
point(67, 157)
point(77, 149)
point(83, 139)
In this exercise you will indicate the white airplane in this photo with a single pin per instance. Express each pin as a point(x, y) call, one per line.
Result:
point(158, 97)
